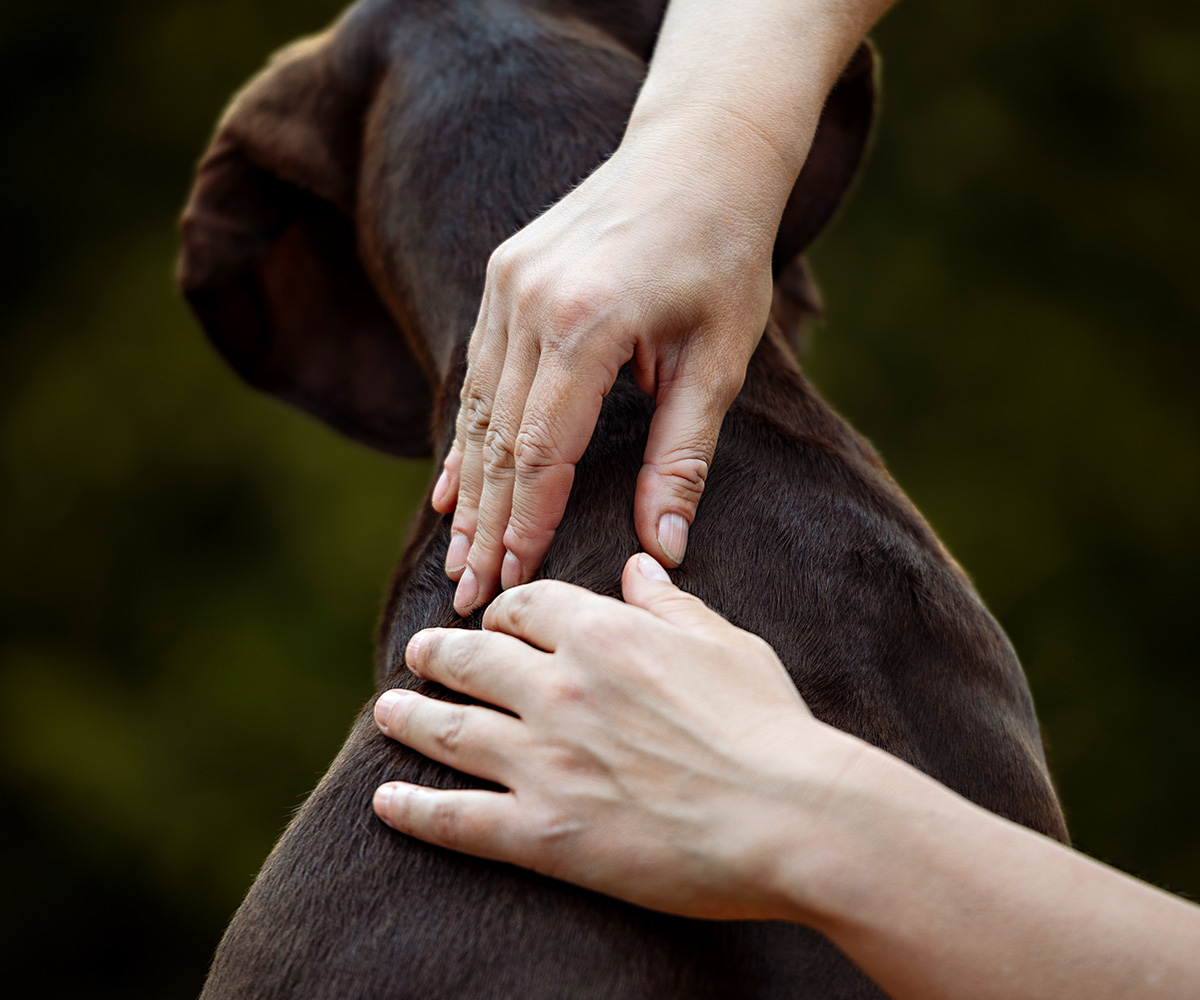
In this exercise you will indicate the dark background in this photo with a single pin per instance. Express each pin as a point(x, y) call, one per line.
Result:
point(191, 573)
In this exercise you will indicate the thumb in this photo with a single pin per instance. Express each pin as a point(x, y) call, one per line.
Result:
point(645, 584)
point(679, 450)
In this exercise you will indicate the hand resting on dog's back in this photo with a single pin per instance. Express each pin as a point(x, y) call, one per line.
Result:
point(628, 773)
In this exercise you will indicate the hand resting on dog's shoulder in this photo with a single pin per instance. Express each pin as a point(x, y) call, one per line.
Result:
point(661, 258)
point(630, 774)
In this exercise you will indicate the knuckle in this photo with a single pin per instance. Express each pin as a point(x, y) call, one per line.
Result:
point(578, 303)
point(567, 758)
point(501, 264)
point(756, 645)
point(529, 294)
point(564, 691)
point(555, 828)
point(546, 592)
point(684, 475)
point(449, 735)
point(565, 313)
point(476, 413)
point(460, 420)
point(498, 454)
point(445, 823)
point(535, 447)
point(514, 604)
point(460, 655)
point(593, 629)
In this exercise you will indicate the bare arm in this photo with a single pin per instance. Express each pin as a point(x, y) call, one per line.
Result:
point(936, 898)
point(661, 257)
point(756, 71)
point(626, 777)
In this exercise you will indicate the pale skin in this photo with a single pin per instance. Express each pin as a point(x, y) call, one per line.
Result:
point(661, 258)
point(632, 773)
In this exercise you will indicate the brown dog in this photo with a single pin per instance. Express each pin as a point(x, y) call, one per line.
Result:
point(334, 249)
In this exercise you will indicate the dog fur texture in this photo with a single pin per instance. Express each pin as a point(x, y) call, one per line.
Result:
point(334, 249)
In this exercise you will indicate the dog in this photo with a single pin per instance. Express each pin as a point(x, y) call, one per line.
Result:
point(334, 250)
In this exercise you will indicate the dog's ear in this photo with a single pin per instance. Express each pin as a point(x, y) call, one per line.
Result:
point(269, 260)
point(837, 152)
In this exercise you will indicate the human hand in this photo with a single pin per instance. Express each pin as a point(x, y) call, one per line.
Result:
point(660, 258)
point(661, 755)
point(658, 753)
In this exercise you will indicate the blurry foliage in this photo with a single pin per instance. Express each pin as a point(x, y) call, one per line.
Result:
point(192, 573)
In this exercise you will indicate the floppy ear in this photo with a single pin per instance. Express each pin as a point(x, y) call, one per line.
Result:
point(837, 152)
point(269, 261)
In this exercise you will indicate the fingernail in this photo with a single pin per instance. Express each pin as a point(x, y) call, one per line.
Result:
point(672, 536)
point(443, 484)
point(456, 554)
point(510, 572)
point(383, 798)
point(467, 591)
point(414, 647)
point(649, 567)
point(384, 705)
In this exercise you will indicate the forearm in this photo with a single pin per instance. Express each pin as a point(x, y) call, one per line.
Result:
point(934, 897)
point(742, 85)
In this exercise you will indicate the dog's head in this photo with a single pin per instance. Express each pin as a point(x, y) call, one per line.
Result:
point(336, 238)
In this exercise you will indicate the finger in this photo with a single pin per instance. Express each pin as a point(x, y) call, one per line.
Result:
point(474, 417)
point(468, 738)
point(679, 451)
point(542, 613)
point(445, 492)
point(490, 666)
point(481, 823)
point(564, 404)
point(645, 584)
point(482, 579)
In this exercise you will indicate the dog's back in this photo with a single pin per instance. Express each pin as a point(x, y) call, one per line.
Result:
point(801, 538)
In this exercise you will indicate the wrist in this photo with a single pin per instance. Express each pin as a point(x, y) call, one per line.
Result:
point(860, 836)
point(712, 136)
point(723, 163)
point(801, 837)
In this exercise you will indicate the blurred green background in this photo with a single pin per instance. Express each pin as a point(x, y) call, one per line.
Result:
point(191, 573)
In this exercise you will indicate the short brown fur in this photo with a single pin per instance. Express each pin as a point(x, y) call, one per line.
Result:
point(334, 250)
